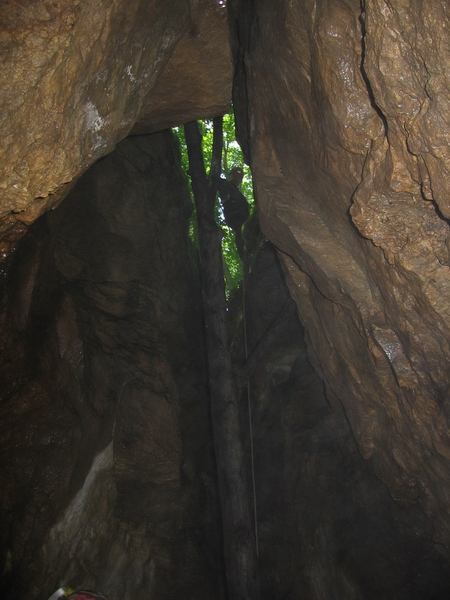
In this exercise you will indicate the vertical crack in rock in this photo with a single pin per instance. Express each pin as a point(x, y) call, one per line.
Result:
point(365, 77)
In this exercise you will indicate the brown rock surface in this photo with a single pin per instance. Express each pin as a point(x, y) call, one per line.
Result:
point(196, 81)
point(328, 527)
point(107, 479)
point(107, 474)
point(75, 78)
point(347, 114)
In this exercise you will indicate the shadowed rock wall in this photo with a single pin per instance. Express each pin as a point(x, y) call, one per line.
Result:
point(342, 112)
point(107, 472)
point(328, 527)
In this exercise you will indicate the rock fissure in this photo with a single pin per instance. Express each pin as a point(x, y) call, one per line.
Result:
point(364, 75)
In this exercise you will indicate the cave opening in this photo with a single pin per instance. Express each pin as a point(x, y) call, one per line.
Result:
point(109, 477)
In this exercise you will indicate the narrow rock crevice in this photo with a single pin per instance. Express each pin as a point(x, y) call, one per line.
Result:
point(375, 106)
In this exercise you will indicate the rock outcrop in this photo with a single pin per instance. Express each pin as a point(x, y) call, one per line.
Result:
point(327, 526)
point(346, 129)
point(77, 76)
point(107, 472)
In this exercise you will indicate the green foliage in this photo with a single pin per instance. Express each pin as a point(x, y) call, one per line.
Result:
point(179, 132)
point(233, 267)
point(231, 157)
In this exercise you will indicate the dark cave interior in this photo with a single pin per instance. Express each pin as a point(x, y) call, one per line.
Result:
point(109, 477)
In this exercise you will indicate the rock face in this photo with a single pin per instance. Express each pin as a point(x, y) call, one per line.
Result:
point(196, 81)
point(346, 129)
point(108, 475)
point(328, 527)
point(107, 471)
point(75, 78)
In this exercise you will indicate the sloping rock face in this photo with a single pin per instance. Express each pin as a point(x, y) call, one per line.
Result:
point(75, 78)
point(107, 472)
point(347, 120)
point(196, 81)
point(327, 526)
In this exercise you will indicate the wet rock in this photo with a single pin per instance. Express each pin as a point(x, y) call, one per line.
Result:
point(327, 526)
point(196, 81)
point(343, 114)
point(345, 133)
point(77, 76)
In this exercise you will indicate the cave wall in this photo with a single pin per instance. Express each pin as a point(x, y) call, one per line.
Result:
point(343, 115)
point(342, 111)
point(76, 77)
point(327, 525)
point(107, 472)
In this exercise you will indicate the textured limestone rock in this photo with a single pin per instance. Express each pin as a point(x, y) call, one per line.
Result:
point(346, 134)
point(107, 476)
point(196, 81)
point(75, 78)
point(328, 527)
point(343, 112)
